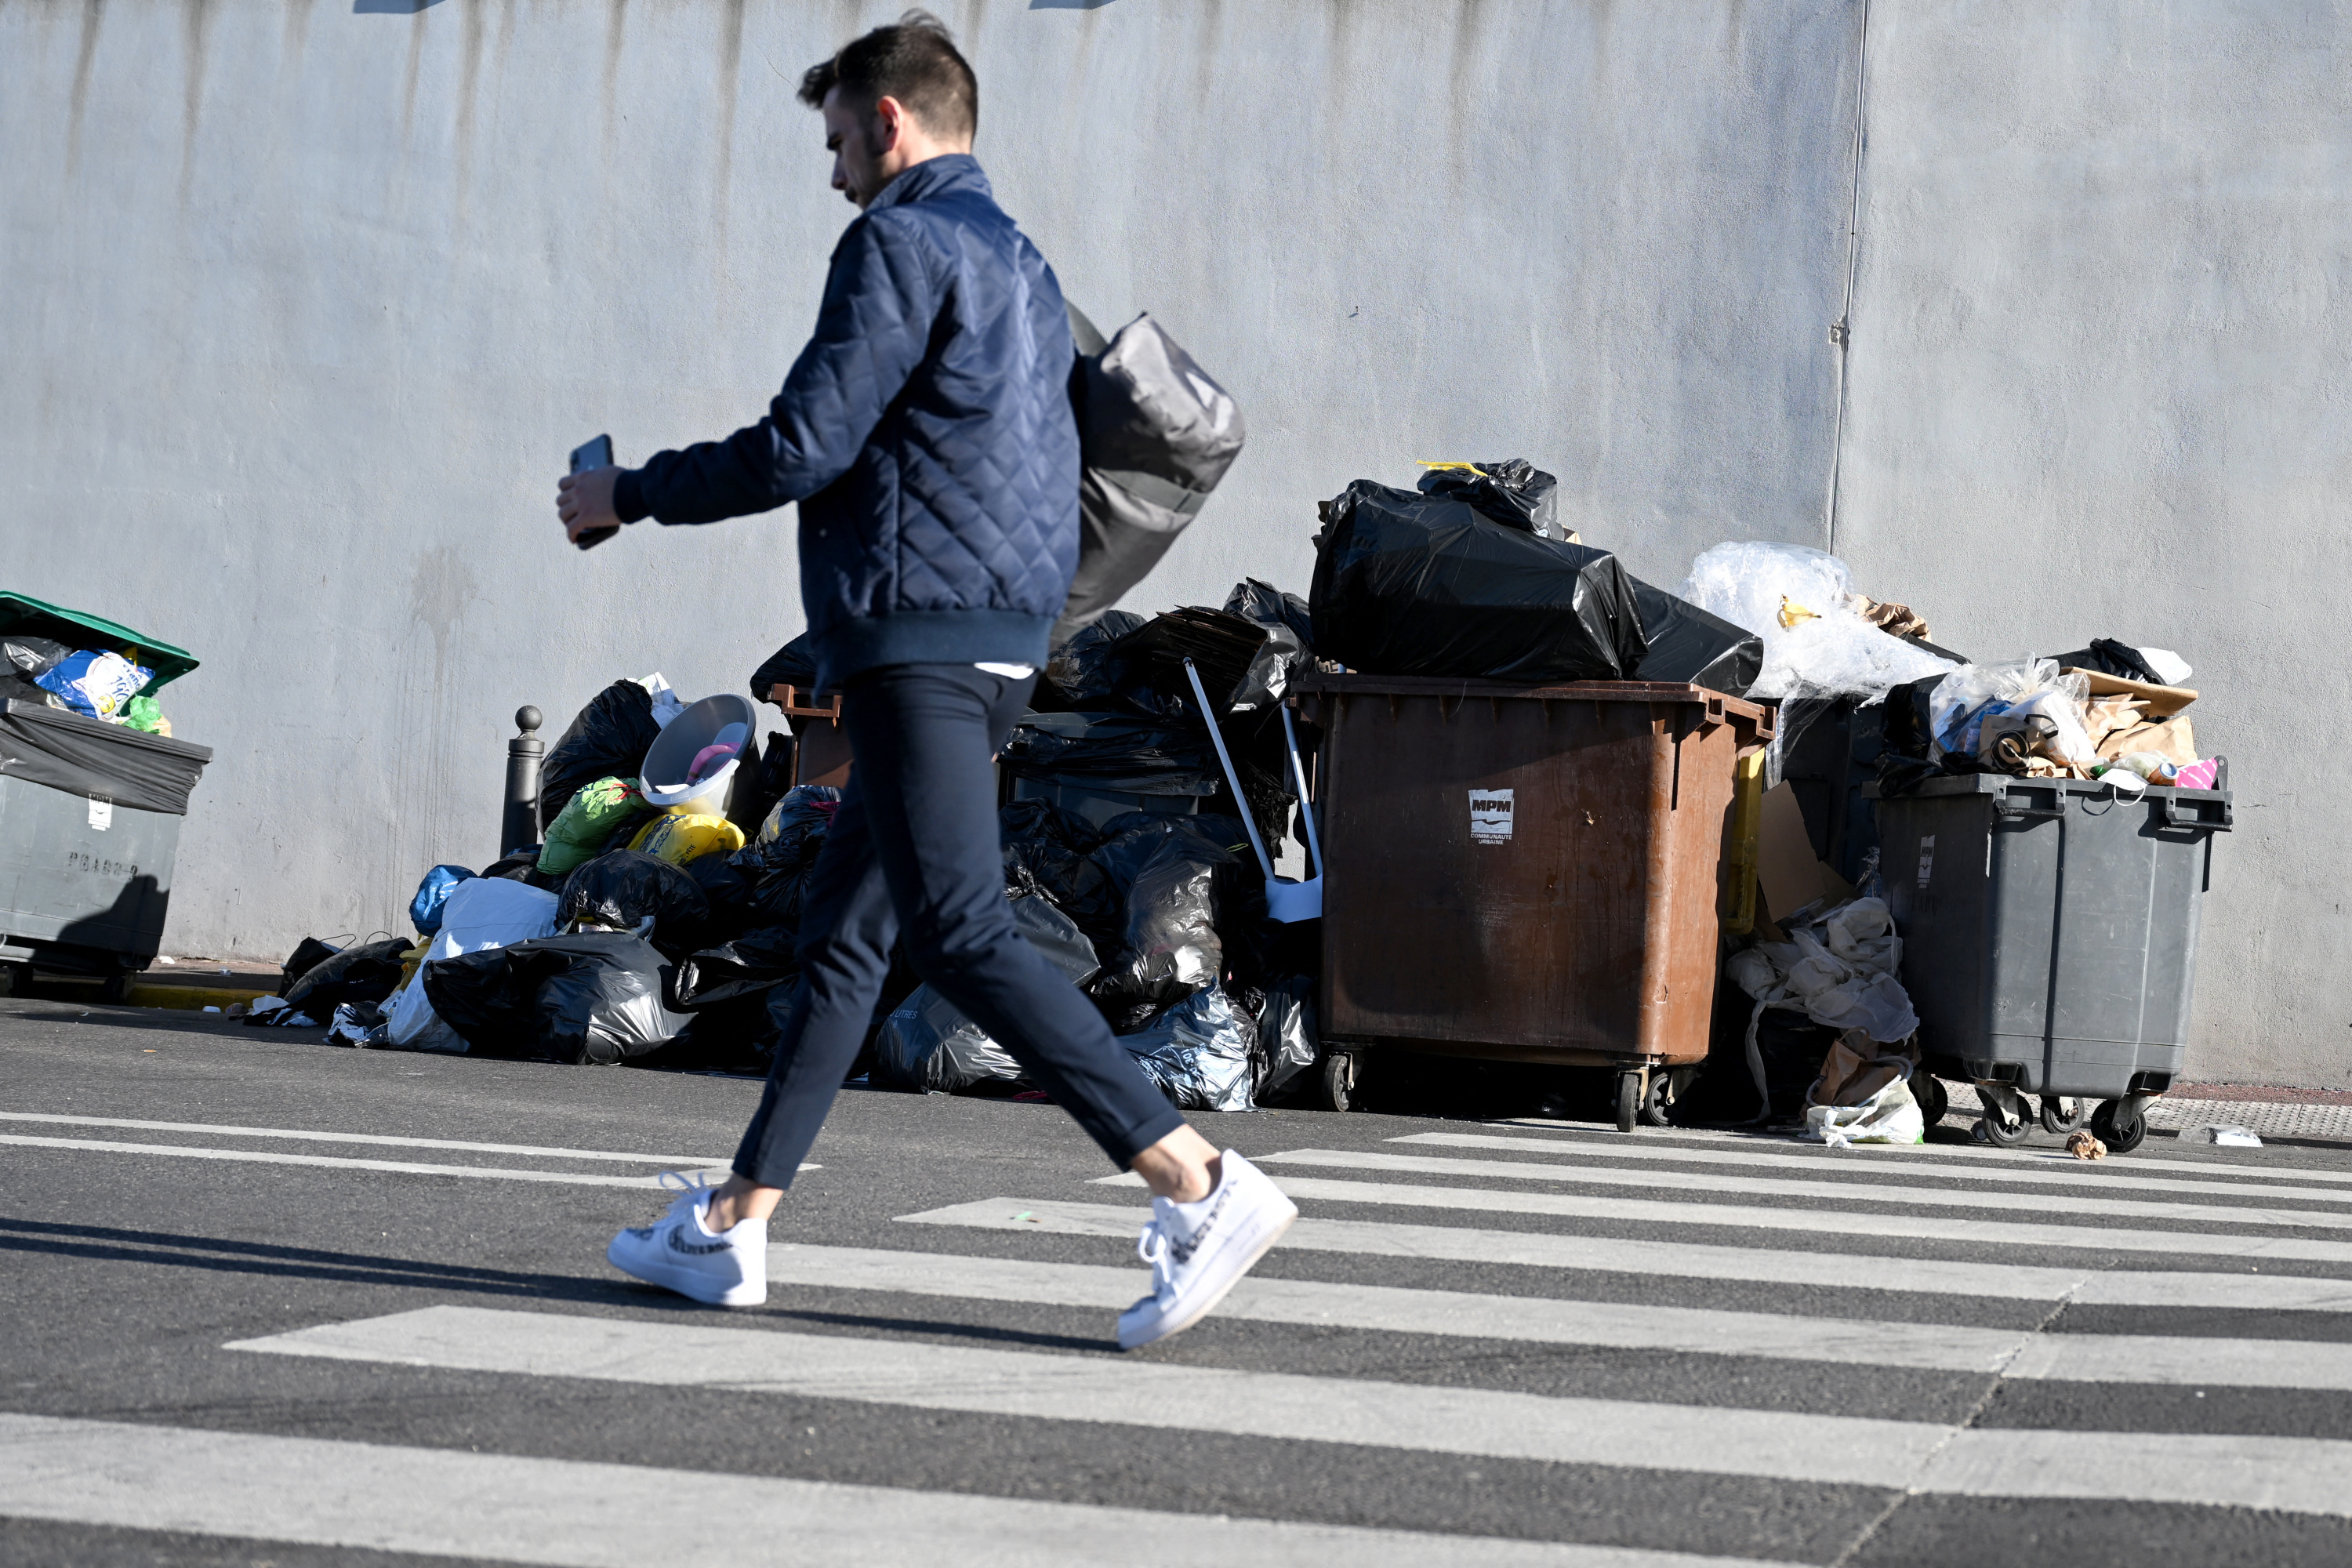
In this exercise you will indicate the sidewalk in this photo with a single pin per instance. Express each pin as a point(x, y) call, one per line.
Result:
point(2265, 1113)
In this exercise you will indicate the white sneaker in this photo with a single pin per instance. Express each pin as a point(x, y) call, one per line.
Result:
point(1198, 1251)
point(678, 1252)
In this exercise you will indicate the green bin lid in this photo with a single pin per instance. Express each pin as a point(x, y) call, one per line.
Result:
point(34, 618)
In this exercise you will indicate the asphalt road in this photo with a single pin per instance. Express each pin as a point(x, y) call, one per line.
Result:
point(230, 1337)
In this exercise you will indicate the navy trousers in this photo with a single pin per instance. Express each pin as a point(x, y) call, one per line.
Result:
point(914, 850)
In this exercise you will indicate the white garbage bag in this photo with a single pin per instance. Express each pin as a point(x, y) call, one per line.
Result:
point(482, 912)
point(1889, 1116)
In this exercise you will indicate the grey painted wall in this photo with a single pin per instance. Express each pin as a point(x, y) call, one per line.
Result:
point(2099, 388)
point(309, 300)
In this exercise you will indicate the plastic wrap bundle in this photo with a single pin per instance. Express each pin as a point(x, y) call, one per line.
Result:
point(1155, 436)
point(1800, 602)
point(927, 1043)
point(1407, 584)
point(1197, 1052)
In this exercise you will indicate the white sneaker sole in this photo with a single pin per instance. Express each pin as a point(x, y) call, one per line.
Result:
point(686, 1282)
point(1256, 1245)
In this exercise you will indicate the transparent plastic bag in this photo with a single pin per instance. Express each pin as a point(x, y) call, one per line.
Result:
point(1801, 603)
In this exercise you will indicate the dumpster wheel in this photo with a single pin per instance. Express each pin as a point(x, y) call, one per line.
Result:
point(2120, 1135)
point(2060, 1117)
point(1338, 1082)
point(2000, 1131)
point(1629, 1096)
point(1657, 1099)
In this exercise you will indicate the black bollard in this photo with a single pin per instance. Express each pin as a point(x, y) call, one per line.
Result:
point(524, 753)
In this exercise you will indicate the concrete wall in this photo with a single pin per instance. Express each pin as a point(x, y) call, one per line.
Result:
point(2099, 388)
point(308, 300)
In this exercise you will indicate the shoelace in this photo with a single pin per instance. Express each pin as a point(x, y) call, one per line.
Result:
point(688, 1185)
point(1152, 1247)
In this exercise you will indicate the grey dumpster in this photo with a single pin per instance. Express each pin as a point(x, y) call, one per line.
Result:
point(2050, 936)
point(89, 823)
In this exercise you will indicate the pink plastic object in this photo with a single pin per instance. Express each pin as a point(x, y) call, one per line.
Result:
point(2198, 775)
point(707, 759)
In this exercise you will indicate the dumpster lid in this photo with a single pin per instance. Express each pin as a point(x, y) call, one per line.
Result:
point(34, 617)
point(1762, 714)
point(1937, 785)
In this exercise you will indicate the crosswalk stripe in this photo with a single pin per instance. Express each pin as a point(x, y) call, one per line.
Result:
point(1692, 1261)
point(263, 1157)
point(571, 1514)
point(1592, 1133)
point(1536, 1319)
point(1816, 1222)
point(1846, 1342)
point(382, 1140)
point(1874, 1160)
point(1842, 1190)
point(2295, 1474)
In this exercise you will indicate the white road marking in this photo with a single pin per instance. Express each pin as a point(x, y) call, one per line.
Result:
point(2299, 1475)
point(264, 1157)
point(1815, 1222)
point(569, 1513)
point(2103, 1176)
point(1695, 1260)
point(1846, 1342)
point(1842, 1190)
point(1596, 1133)
point(288, 1132)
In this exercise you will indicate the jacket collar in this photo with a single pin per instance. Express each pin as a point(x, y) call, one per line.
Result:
point(950, 173)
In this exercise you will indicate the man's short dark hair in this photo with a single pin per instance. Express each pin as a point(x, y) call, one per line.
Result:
point(914, 60)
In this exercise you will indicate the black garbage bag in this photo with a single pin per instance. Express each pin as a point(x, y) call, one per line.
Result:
point(791, 665)
point(2107, 657)
point(927, 1043)
point(1514, 492)
point(1155, 435)
point(1290, 646)
point(308, 954)
point(522, 866)
point(1146, 665)
point(780, 856)
point(609, 739)
point(1688, 644)
point(751, 966)
point(1198, 1053)
point(1049, 846)
point(622, 890)
point(591, 997)
point(1081, 671)
point(30, 656)
point(729, 890)
point(1408, 584)
point(1166, 944)
point(1287, 1045)
point(1114, 751)
point(368, 973)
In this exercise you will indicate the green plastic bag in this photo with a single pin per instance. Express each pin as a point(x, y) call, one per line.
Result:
point(141, 714)
point(588, 822)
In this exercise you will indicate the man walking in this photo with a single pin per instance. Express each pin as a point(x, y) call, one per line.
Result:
point(926, 432)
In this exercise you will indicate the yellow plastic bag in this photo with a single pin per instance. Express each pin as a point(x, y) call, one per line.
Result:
point(678, 839)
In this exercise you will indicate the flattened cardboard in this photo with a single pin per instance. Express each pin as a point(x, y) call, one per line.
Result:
point(2163, 701)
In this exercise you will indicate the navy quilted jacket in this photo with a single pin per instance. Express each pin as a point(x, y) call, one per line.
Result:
point(927, 433)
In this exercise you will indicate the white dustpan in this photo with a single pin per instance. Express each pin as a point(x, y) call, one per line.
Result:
point(1285, 903)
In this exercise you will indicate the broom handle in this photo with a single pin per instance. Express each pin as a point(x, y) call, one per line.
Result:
point(1217, 737)
point(1306, 807)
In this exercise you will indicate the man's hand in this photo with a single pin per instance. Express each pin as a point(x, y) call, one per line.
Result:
point(583, 502)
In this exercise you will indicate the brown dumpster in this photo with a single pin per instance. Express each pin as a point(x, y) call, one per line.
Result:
point(1526, 873)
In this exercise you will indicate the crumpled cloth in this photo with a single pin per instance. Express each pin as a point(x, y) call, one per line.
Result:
point(1838, 969)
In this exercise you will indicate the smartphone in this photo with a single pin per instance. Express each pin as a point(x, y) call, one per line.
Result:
point(596, 454)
